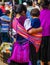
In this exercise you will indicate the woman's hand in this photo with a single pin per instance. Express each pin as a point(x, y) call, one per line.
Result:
point(35, 30)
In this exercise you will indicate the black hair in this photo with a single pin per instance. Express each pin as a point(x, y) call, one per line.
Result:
point(45, 3)
point(35, 12)
point(29, 3)
point(7, 12)
point(21, 8)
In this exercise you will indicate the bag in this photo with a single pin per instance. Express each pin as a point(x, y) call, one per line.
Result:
point(20, 52)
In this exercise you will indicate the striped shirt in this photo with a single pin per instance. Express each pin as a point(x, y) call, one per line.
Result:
point(5, 25)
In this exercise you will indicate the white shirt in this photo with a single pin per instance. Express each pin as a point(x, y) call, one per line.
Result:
point(27, 24)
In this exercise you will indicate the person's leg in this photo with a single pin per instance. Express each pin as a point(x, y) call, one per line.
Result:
point(38, 56)
point(48, 50)
point(13, 63)
point(4, 37)
point(0, 38)
point(44, 49)
point(23, 63)
point(26, 64)
point(33, 57)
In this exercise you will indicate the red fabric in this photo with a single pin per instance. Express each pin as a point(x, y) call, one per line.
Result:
point(3, 9)
point(35, 38)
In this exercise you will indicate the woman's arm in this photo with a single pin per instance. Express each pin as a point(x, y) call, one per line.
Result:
point(35, 30)
point(30, 30)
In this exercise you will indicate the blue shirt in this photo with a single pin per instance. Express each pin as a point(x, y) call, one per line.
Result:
point(35, 22)
point(6, 17)
point(28, 15)
point(5, 25)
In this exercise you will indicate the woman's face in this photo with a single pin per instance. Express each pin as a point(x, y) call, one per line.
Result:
point(23, 13)
point(18, 15)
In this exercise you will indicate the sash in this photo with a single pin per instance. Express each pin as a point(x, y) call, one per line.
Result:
point(35, 38)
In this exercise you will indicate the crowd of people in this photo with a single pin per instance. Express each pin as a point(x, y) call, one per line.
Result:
point(27, 26)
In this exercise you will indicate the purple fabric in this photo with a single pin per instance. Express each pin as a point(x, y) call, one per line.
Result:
point(45, 22)
point(22, 19)
point(21, 52)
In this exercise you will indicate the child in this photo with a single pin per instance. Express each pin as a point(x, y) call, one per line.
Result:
point(5, 26)
point(34, 22)
point(29, 24)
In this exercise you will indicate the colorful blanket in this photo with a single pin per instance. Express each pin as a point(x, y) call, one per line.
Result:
point(35, 38)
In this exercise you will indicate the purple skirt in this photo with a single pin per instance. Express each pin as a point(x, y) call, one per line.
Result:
point(20, 52)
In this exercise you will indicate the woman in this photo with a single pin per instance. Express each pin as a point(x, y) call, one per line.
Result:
point(17, 22)
point(20, 17)
point(45, 23)
point(45, 28)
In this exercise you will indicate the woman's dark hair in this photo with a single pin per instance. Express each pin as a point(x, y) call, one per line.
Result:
point(29, 3)
point(7, 12)
point(45, 3)
point(35, 12)
point(21, 8)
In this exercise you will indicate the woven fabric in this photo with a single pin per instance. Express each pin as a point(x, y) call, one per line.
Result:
point(35, 38)
point(21, 52)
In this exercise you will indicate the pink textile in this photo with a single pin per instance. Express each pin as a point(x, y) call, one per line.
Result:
point(35, 38)
point(21, 52)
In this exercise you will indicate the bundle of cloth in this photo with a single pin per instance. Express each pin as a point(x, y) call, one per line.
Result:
point(6, 47)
